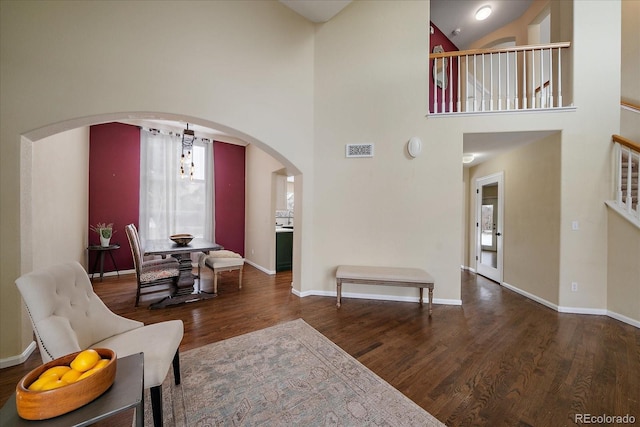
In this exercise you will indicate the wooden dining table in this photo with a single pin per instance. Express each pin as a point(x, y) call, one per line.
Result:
point(185, 290)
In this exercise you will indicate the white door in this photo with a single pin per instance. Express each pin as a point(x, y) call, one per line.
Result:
point(489, 225)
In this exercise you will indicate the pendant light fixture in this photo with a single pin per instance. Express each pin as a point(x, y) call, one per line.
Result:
point(188, 136)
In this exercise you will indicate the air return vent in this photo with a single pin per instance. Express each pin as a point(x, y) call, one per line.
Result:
point(359, 150)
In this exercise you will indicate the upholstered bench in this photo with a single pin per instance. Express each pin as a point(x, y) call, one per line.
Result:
point(387, 276)
point(220, 261)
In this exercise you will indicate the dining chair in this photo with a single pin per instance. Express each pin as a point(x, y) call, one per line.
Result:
point(67, 316)
point(151, 273)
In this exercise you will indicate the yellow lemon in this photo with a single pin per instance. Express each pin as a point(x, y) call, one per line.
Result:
point(40, 382)
point(53, 384)
point(85, 360)
point(87, 374)
point(101, 364)
point(58, 371)
point(71, 376)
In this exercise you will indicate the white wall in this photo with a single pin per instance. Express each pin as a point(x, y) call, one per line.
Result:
point(60, 198)
point(245, 67)
point(301, 92)
point(260, 243)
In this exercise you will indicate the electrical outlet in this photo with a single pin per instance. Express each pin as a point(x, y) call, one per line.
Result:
point(575, 225)
point(574, 286)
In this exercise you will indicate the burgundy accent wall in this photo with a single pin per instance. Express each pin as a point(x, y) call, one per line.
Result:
point(438, 38)
point(114, 186)
point(229, 173)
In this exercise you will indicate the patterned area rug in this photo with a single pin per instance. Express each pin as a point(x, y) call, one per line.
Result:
point(288, 374)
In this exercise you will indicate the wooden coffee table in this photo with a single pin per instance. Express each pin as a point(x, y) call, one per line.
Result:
point(125, 393)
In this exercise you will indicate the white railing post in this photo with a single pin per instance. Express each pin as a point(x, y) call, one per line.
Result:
point(551, 78)
point(618, 154)
point(559, 77)
point(459, 87)
point(475, 84)
point(450, 86)
point(443, 89)
point(466, 84)
point(629, 198)
point(435, 86)
point(524, 80)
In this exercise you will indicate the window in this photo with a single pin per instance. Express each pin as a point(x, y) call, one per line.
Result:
point(169, 203)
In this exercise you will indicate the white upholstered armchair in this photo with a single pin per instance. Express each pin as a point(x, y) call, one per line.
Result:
point(67, 316)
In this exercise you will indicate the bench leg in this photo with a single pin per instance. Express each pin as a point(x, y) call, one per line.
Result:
point(215, 282)
point(339, 292)
point(430, 301)
point(421, 295)
point(240, 279)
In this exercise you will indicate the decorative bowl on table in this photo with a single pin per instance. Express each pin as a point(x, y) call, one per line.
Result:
point(45, 404)
point(182, 239)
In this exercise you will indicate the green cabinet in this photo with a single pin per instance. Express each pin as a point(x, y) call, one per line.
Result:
point(284, 250)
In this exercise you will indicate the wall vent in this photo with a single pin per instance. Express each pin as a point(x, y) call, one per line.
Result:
point(359, 150)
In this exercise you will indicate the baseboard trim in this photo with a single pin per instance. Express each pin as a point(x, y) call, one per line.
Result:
point(574, 310)
point(259, 267)
point(17, 360)
point(380, 297)
point(623, 318)
point(531, 296)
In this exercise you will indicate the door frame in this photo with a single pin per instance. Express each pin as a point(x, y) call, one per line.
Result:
point(495, 274)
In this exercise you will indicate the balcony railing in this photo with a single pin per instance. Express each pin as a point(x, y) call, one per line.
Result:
point(627, 155)
point(489, 80)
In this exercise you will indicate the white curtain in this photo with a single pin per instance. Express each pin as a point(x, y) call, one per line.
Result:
point(169, 203)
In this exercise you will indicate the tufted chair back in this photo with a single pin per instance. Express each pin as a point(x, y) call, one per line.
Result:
point(66, 315)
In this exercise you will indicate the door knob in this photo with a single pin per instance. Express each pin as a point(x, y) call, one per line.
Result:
point(498, 234)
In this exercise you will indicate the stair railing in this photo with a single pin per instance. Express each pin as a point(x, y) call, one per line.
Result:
point(627, 154)
point(505, 79)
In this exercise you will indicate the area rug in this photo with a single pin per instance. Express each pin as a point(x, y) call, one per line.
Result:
point(285, 375)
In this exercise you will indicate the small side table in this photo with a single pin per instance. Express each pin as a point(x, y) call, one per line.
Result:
point(100, 257)
point(125, 393)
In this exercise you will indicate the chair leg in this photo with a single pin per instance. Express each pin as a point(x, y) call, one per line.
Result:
point(215, 282)
point(138, 294)
point(176, 367)
point(156, 405)
point(240, 279)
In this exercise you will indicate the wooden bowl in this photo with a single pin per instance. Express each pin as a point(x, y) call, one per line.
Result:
point(41, 405)
point(182, 239)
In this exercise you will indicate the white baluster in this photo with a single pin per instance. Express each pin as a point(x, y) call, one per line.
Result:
point(551, 77)
point(629, 199)
point(618, 154)
point(524, 79)
point(507, 99)
point(475, 84)
point(491, 81)
point(515, 80)
point(560, 77)
point(459, 87)
point(542, 82)
point(466, 84)
point(450, 85)
point(435, 87)
point(443, 88)
point(483, 85)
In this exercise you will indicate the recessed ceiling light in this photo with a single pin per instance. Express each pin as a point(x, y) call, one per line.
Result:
point(483, 13)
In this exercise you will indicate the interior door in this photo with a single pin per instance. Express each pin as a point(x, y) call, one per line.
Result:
point(489, 226)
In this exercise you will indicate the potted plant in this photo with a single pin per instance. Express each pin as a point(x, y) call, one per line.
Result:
point(105, 231)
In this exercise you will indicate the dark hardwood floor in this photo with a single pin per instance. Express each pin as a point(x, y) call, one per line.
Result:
point(497, 360)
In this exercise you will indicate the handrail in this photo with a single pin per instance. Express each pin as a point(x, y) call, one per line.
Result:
point(626, 142)
point(630, 105)
point(499, 50)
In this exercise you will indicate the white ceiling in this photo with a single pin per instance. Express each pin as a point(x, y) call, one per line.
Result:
point(448, 15)
point(485, 146)
point(316, 10)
